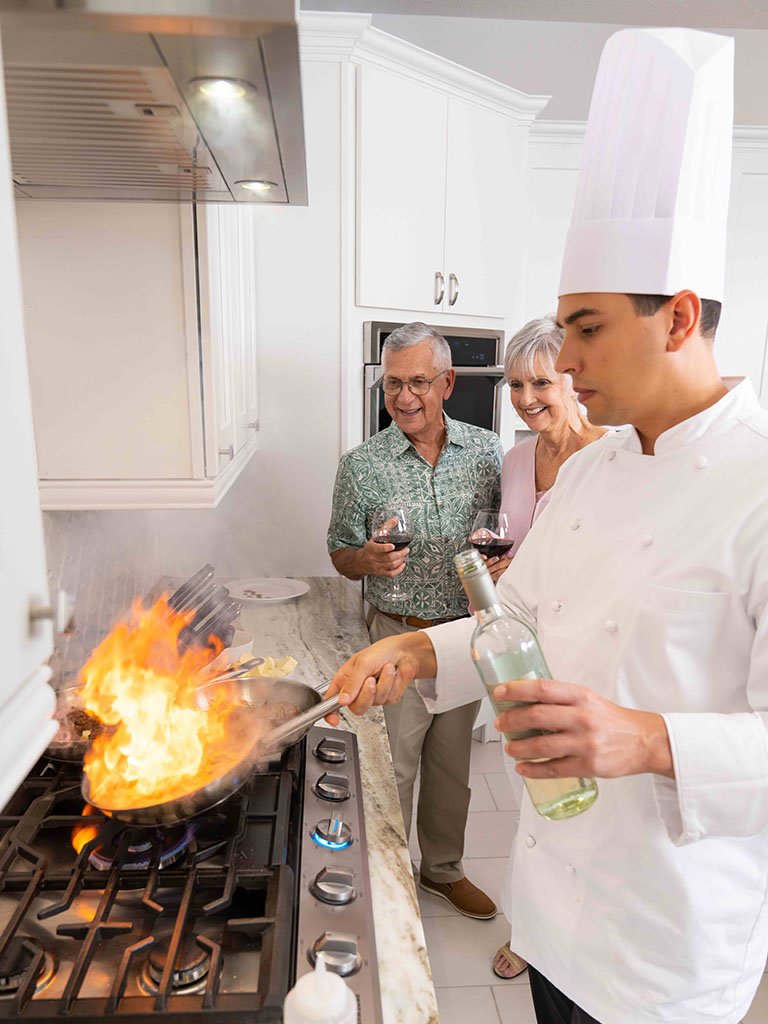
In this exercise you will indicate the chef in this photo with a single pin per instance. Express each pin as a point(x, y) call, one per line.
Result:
point(647, 581)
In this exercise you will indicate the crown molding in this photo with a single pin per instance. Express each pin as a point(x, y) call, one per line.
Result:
point(325, 35)
point(560, 132)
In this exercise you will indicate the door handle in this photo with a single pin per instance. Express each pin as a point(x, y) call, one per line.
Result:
point(453, 289)
point(439, 283)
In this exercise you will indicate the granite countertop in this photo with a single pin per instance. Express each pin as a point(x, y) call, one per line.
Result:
point(321, 630)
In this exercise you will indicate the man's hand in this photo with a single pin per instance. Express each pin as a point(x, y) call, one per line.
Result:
point(381, 559)
point(381, 673)
point(589, 736)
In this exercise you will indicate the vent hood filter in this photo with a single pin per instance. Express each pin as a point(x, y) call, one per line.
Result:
point(115, 114)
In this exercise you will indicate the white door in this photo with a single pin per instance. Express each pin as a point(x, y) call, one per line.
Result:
point(485, 211)
point(26, 702)
point(401, 191)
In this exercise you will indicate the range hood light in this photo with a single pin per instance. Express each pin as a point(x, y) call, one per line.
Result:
point(222, 88)
point(257, 186)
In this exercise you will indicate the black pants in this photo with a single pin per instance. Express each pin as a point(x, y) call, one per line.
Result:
point(551, 1006)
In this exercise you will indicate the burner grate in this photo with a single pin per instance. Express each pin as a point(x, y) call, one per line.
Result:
point(223, 910)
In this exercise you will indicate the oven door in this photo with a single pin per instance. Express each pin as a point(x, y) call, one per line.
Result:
point(476, 398)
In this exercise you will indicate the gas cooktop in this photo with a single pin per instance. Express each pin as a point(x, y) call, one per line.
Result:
point(213, 918)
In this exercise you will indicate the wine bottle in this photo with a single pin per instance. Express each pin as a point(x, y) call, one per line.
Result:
point(505, 648)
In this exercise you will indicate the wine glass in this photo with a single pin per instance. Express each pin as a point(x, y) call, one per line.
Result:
point(392, 525)
point(492, 533)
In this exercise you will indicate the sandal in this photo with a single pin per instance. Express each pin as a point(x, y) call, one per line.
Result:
point(514, 964)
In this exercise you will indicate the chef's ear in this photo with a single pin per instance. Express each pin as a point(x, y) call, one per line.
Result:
point(684, 316)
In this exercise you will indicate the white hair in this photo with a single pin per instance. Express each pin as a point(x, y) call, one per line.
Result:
point(539, 341)
point(414, 334)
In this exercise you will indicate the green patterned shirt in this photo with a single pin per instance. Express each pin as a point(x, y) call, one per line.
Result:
point(443, 500)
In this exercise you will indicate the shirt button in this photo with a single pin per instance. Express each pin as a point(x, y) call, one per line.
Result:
point(611, 456)
point(611, 626)
point(570, 869)
point(575, 524)
point(530, 842)
point(647, 540)
point(702, 462)
point(556, 606)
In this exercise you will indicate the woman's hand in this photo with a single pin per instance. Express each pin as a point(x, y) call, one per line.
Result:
point(497, 566)
point(381, 673)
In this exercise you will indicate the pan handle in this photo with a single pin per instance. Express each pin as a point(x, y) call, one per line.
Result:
point(297, 726)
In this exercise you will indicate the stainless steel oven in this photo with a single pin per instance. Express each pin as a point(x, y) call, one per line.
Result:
point(477, 357)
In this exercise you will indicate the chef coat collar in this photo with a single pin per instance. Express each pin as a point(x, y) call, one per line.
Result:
point(737, 404)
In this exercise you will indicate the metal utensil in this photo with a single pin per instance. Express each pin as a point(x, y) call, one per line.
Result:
point(234, 673)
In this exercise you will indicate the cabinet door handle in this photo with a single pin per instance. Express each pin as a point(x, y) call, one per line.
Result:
point(228, 452)
point(453, 289)
point(439, 283)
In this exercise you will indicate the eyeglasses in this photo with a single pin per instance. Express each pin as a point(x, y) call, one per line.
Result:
point(416, 385)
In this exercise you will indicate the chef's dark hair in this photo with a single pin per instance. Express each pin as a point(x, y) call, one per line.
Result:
point(647, 305)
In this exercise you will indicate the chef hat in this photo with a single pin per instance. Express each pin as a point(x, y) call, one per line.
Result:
point(652, 197)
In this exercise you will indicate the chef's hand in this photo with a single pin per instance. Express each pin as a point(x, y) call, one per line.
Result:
point(381, 673)
point(497, 566)
point(589, 736)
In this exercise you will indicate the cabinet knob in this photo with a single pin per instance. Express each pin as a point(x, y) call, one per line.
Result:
point(439, 287)
point(453, 289)
point(61, 613)
point(253, 425)
point(229, 452)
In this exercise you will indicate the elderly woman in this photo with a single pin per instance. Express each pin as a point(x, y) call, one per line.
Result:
point(546, 402)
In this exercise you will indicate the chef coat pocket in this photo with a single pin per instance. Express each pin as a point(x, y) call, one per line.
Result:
point(676, 658)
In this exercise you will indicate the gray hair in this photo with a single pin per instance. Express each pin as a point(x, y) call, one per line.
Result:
point(538, 340)
point(414, 334)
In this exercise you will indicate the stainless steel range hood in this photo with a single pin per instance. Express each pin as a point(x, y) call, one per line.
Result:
point(161, 100)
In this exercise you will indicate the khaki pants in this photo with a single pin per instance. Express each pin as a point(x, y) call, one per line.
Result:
point(443, 744)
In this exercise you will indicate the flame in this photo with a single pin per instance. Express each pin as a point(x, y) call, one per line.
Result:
point(158, 743)
point(82, 834)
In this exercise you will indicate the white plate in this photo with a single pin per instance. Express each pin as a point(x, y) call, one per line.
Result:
point(266, 589)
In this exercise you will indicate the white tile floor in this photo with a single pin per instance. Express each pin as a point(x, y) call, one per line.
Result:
point(460, 949)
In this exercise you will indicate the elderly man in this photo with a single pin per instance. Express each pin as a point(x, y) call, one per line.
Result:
point(647, 579)
point(444, 472)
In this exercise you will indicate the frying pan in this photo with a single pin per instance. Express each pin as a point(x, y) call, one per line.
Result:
point(251, 692)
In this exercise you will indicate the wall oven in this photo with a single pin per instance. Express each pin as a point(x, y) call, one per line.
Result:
point(477, 357)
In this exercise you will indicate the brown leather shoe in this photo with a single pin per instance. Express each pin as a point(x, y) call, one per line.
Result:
point(463, 896)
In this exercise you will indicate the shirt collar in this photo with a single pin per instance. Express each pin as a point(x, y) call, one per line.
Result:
point(739, 403)
point(455, 433)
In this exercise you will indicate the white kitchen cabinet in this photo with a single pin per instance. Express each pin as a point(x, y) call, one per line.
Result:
point(141, 343)
point(26, 702)
point(441, 187)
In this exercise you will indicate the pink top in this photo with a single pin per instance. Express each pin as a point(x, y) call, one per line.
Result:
point(518, 489)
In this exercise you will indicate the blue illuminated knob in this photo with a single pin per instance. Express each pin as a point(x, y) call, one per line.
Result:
point(332, 833)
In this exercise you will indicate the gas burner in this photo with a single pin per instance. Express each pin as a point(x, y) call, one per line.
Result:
point(189, 973)
point(15, 962)
point(173, 844)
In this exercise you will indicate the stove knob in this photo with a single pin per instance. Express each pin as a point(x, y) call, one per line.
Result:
point(331, 751)
point(333, 833)
point(332, 787)
point(334, 885)
point(339, 950)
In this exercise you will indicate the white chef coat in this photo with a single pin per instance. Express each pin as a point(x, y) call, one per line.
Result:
point(647, 579)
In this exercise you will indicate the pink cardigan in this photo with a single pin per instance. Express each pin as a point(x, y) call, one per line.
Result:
point(518, 489)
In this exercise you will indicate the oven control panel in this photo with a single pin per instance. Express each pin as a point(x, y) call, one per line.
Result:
point(335, 914)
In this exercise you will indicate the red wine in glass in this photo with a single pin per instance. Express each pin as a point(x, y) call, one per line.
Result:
point(392, 525)
point(492, 534)
point(398, 538)
point(494, 547)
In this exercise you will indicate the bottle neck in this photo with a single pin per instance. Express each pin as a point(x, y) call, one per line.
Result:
point(485, 615)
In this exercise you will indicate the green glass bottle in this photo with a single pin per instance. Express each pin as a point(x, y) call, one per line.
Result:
point(505, 648)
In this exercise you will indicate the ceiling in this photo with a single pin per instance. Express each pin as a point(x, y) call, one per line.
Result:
point(691, 13)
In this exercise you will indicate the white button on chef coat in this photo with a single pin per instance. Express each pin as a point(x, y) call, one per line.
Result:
point(530, 842)
point(647, 540)
point(610, 626)
point(690, 646)
point(570, 869)
point(611, 455)
point(575, 524)
point(556, 606)
point(702, 462)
